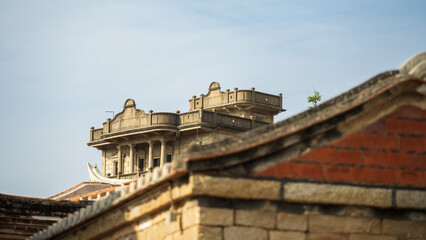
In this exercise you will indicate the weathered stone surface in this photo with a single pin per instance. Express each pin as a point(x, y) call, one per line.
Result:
point(324, 223)
point(189, 233)
point(181, 190)
point(190, 217)
point(172, 227)
point(411, 199)
point(281, 235)
point(156, 199)
point(199, 233)
point(326, 236)
point(290, 221)
point(245, 233)
point(336, 194)
point(256, 218)
point(155, 232)
point(401, 228)
point(207, 216)
point(209, 233)
point(370, 237)
point(158, 217)
point(236, 187)
point(123, 231)
point(216, 216)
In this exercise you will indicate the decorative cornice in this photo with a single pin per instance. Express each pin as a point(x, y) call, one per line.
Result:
point(96, 176)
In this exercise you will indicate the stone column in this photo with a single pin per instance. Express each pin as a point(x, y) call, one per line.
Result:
point(91, 133)
point(108, 125)
point(194, 104)
point(132, 158)
point(253, 95)
point(119, 160)
point(150, 157)
point(202, 100)
point(227, 95)
point(104, 162)
point(163, 152)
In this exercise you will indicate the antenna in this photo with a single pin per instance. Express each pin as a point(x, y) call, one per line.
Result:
point(113, 115)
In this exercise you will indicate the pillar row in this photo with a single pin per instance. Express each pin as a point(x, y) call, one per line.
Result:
point(120, 160)
point(163, 152)
point(132, 158)
point(150, 156)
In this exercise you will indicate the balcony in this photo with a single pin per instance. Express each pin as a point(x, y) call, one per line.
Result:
point(95, 134)
point(237, 97)
point(169, 122)
point(218, 119)
point(224, 120)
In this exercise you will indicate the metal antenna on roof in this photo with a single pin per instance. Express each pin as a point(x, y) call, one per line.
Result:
point(113, 115)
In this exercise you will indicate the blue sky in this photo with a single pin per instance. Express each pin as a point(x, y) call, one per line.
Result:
point(64, 63)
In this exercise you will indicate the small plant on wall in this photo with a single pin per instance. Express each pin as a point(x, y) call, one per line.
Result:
point(314, 99)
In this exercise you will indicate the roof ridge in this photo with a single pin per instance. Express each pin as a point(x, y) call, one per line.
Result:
point(32, 198)
point(120, 194)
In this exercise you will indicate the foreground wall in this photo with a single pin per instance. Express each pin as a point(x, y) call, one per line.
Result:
point(207, 207)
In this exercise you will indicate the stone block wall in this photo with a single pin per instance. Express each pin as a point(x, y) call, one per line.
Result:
point(271, 221)
point(292, 210)
point(224, 219)
point(227, 208)
point(390, 152)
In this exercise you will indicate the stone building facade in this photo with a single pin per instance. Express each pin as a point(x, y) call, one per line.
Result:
point(134, 142)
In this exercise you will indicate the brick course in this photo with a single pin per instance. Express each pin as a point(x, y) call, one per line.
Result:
point(261, 218)
point(389, 152)
point(290, 221)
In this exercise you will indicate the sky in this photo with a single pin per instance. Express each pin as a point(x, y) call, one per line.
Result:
point(64, 63)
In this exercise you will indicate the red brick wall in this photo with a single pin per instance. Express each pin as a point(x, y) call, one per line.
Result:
point(392, 151)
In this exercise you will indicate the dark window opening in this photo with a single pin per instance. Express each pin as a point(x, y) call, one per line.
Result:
point(115, 168)
point(141, 164)
point(156, 162)
point(169, 158)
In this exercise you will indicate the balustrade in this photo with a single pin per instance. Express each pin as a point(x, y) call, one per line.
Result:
point(236, 96)
point(189, 118)
point(96, 134)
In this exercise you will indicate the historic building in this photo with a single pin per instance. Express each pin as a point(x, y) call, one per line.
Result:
point(134, 142)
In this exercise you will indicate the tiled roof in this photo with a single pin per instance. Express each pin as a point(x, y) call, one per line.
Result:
point(120, 194)
point(95, 195)
point(23, 216)
point(81, 189)
point(73, 188)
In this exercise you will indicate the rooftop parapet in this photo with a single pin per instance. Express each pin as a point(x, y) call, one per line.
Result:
point(216, 98)
point(119, 127)
point(240, 110)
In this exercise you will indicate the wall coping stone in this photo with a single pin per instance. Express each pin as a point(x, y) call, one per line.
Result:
point(248, 188)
